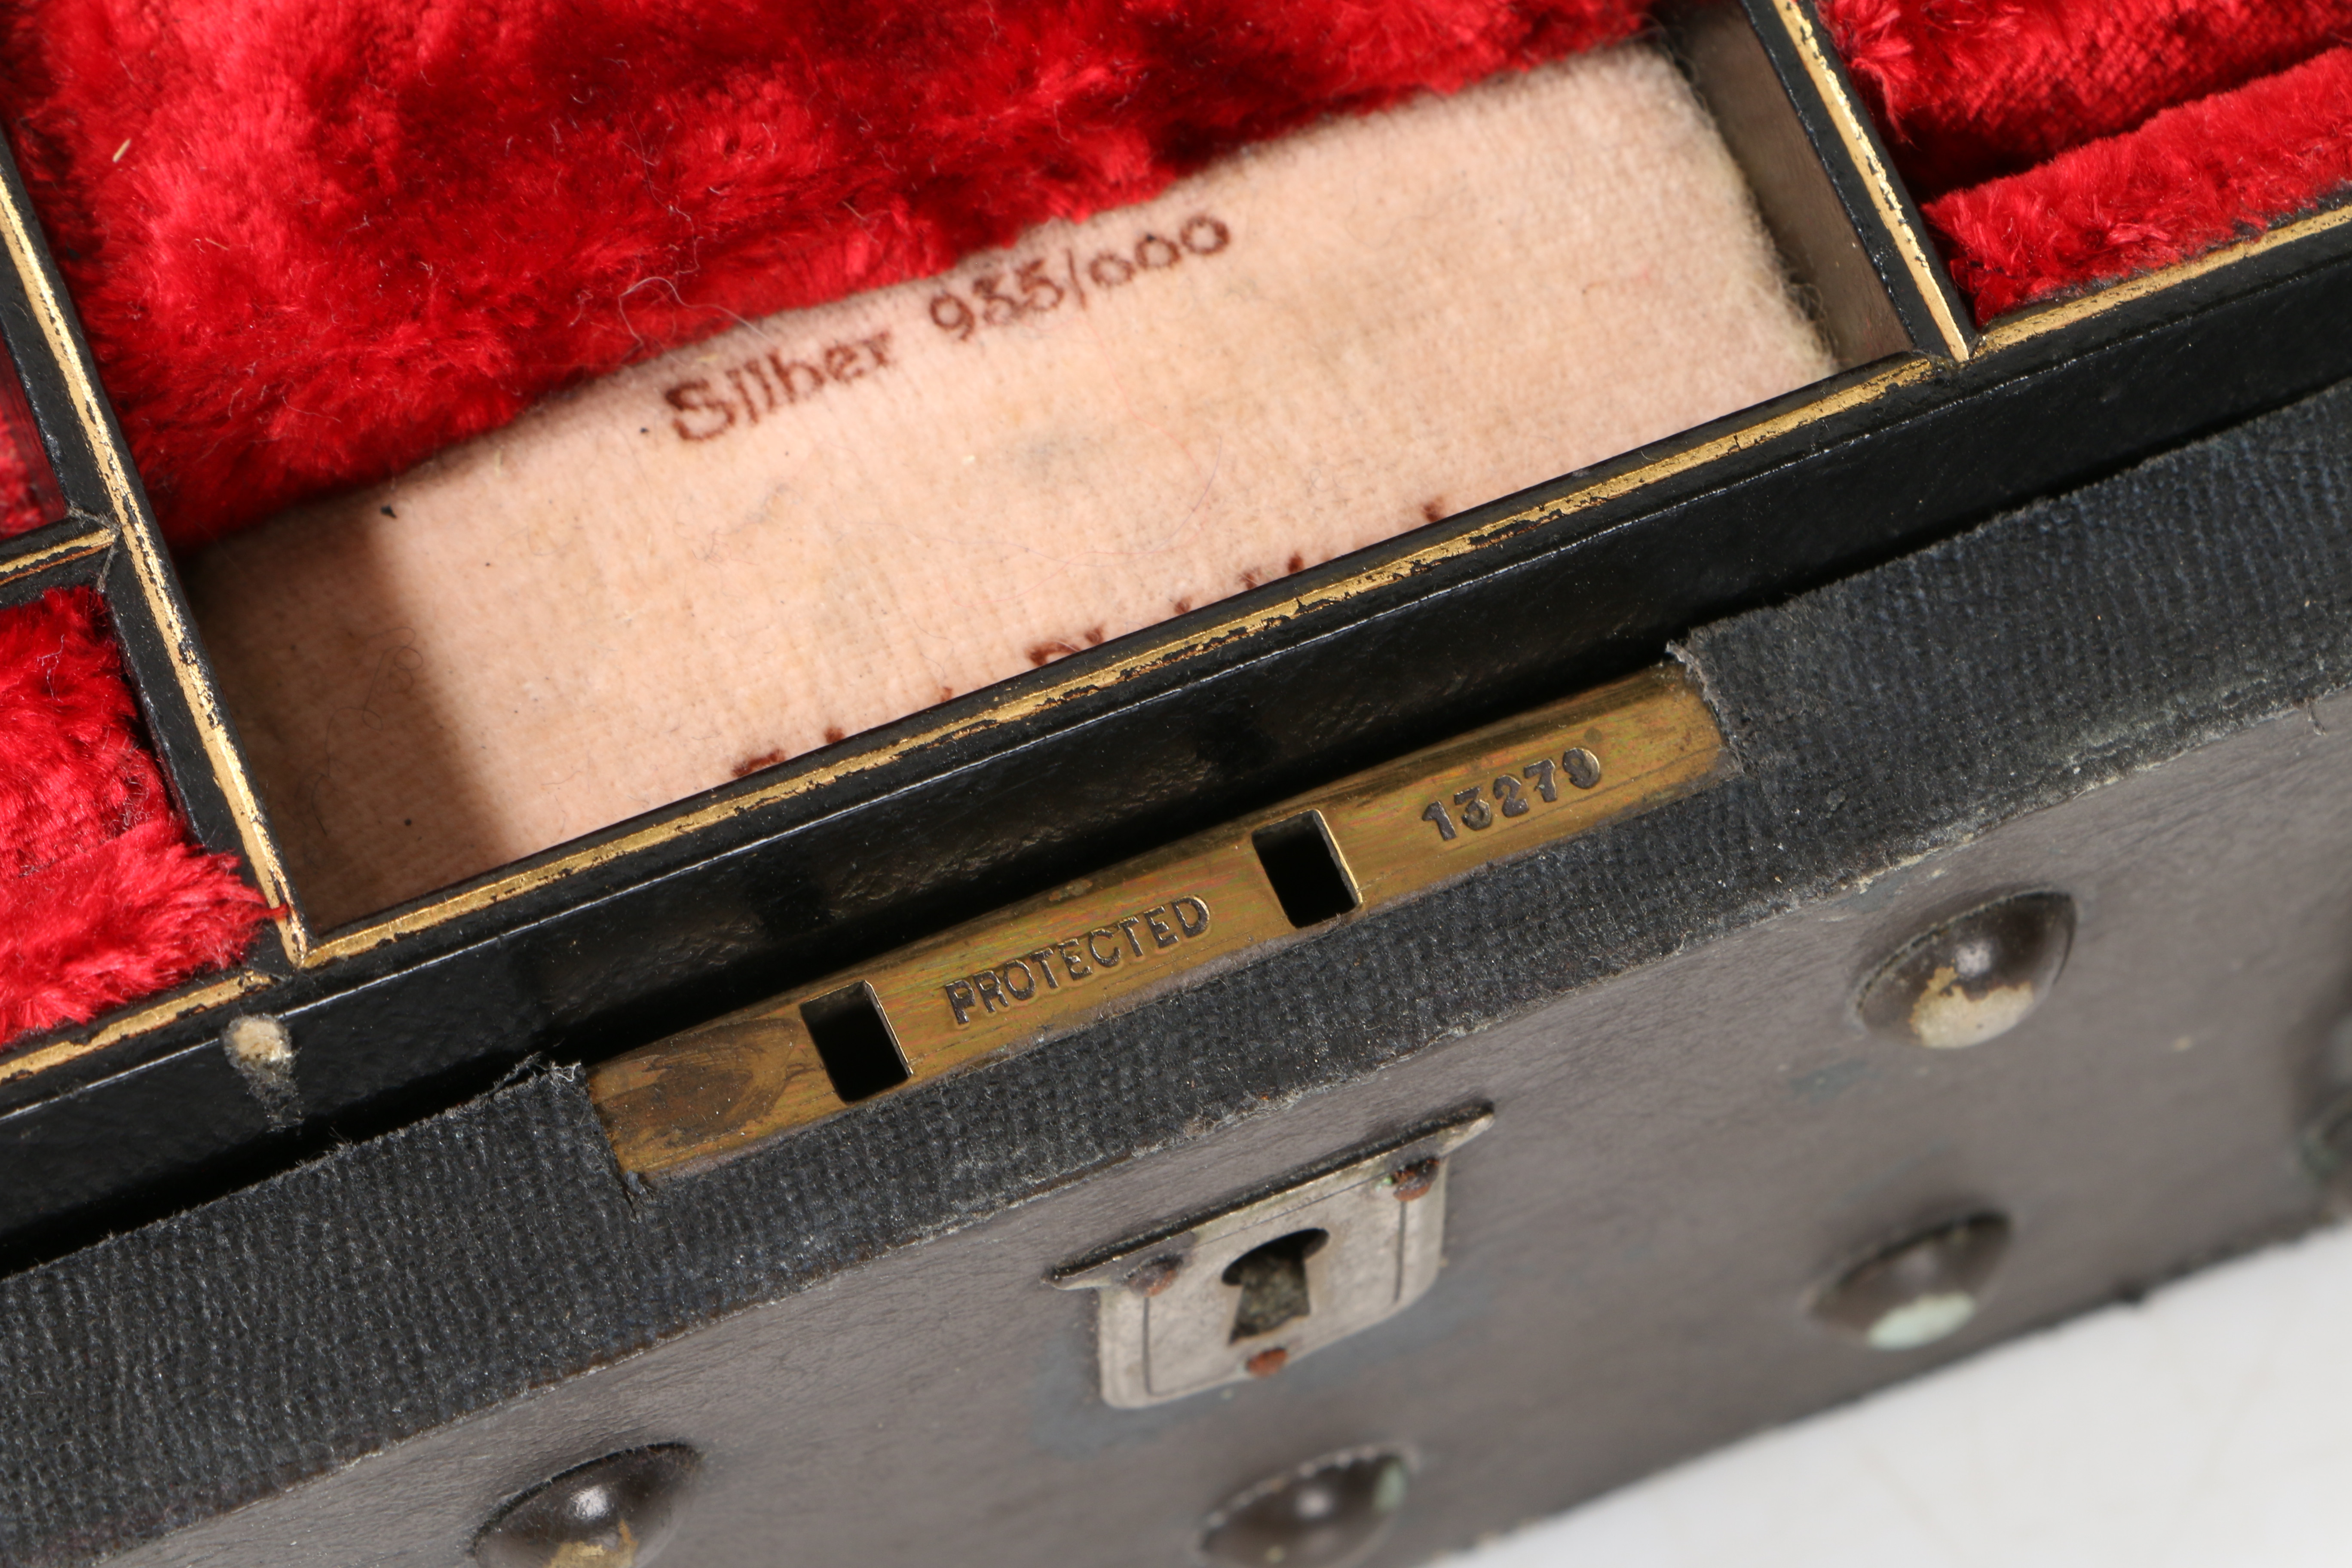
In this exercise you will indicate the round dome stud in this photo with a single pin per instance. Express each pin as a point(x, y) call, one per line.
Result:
point(2328, 1149)
point(615, 1512)
point(1973, 977)
point(1921, 1290)
point(1329, 1512)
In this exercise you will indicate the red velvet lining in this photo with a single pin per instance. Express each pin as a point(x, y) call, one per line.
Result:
point(2062, 142)
point(314, 241)
point(1966, 91)
point(2191, 179)
point(103, 900)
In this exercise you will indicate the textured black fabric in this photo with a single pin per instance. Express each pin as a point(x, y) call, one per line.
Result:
point(207, 1360)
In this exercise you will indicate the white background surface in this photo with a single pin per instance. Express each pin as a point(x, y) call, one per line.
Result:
point(2210, 1426)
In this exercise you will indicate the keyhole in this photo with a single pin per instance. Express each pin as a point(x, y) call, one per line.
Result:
point(1273, 1279)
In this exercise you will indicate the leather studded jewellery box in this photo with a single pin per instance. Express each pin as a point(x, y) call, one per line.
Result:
point(1131, 783)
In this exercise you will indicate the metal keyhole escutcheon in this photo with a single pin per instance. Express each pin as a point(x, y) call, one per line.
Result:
point(1273, 1280)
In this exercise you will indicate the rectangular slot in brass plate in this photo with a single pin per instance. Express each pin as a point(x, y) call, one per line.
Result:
point(854, 1041)
point(1048, 964)
point(1309, 879)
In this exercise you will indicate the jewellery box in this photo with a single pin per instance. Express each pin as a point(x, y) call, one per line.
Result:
point(1345, 1068)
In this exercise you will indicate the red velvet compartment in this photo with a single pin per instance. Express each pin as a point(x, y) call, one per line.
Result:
point(314, 241)
point(2058, 143)
point(104, 899)
point(29, 489)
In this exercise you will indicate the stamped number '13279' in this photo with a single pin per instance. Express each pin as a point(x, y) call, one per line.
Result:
point(1514, 794)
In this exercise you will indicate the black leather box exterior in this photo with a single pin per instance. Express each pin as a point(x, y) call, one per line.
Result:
point(2128, 693)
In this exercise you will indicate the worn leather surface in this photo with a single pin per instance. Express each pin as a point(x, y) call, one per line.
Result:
point(271, 1336)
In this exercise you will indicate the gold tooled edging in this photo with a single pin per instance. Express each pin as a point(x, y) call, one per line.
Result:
point(1920, 260)
point(227, 989)
point(2031, 323)
point(79, 547)
point(142, 543)
point(1906, 372)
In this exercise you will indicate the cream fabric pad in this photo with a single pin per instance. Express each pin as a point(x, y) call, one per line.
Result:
point(822, 521)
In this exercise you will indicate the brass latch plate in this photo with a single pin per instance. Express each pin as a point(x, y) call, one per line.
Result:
point(1011, 978)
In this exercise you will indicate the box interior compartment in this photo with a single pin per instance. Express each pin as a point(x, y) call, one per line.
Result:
point(29, 497)
point(104, 899)
point(757, 546)
point(2057, 145)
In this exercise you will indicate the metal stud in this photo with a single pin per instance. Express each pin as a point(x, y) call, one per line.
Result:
point(1919, 1291)
point(1328, 1513)
point(2328, 1149)
point(1975, 976)
point(613, 1512)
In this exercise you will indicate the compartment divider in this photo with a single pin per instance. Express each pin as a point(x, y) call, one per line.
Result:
point(1885, 219)
point(109, 539)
